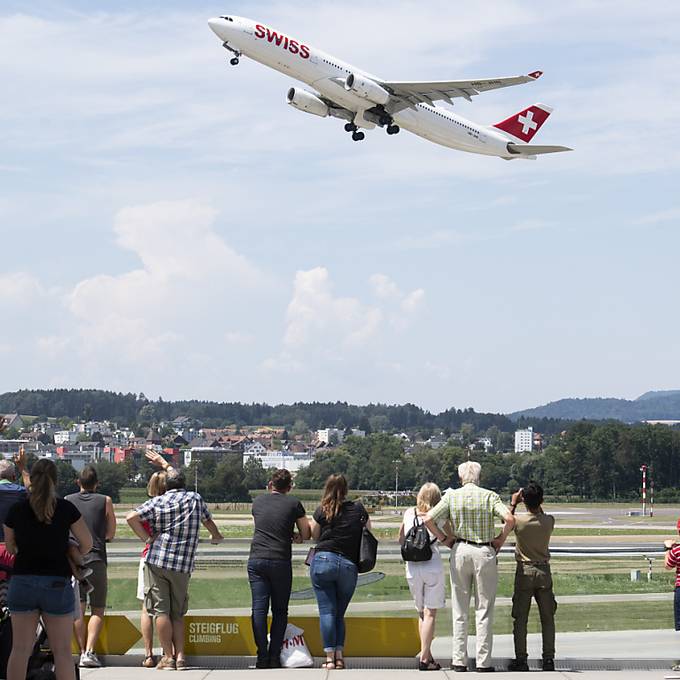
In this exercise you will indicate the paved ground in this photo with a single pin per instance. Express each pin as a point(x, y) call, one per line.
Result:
point(581, 656)
point(318, 674)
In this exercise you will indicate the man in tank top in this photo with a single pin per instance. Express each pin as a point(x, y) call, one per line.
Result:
point(97, 511)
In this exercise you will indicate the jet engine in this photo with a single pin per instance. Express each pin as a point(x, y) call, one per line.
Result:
point(308, 102)
point(367, 89)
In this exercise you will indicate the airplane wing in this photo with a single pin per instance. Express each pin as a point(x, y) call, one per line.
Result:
point(408, 94)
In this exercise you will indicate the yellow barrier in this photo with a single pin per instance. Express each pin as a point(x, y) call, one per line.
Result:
point(366, 636)
point(233, 636)
point(117, 637)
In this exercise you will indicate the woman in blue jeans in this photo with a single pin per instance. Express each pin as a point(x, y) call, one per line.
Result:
point(37, 532)
point(336, 526)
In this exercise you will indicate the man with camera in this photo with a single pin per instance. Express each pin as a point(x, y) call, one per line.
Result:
point(532, 576)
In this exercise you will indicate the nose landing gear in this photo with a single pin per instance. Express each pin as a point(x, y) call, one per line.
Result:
point(235, 60)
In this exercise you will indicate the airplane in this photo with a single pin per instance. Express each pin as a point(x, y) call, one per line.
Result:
point(365, 101)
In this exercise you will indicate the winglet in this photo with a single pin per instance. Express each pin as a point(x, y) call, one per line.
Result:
point(535, 75)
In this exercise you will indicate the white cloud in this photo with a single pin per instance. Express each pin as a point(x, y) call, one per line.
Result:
point(316, 316)
point(19, 288)
point(413, 301)
point(384, 287)
point(670, 215)
point(532, 224)
point(186, 268)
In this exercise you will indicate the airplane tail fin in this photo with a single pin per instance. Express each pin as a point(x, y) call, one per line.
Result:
point(525, 124)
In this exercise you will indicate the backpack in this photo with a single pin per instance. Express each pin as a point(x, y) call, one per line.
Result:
point(417, 546)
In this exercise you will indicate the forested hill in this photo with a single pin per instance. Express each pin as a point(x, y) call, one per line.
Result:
point(659, 405)
point(129, 408)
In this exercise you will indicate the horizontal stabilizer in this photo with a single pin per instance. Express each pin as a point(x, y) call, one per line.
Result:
point(534, 149)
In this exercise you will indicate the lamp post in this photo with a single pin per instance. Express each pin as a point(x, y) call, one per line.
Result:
point(396, 483)
point(643, 470)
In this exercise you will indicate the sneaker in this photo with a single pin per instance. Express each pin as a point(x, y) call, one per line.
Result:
point(518, 665)
point(676, 667)
point(458, 668)
point(548, 664)
point(89, 660)
point(167, 663)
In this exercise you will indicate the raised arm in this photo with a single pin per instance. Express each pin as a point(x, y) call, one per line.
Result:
point(20, 462)
point(158, 460)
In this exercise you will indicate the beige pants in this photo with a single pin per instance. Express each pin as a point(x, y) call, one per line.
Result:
point(473, 566)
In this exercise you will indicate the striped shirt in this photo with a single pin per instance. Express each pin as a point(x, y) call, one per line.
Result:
point(674, 561)
point(471, 510)
point(175, 519)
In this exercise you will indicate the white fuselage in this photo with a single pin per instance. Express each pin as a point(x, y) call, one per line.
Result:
point(327, 75)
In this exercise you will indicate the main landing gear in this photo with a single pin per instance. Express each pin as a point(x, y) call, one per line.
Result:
point(357, 135)
point(388, 123)
point(235, 60)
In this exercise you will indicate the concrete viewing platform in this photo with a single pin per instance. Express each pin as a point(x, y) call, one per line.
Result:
point(622, 655)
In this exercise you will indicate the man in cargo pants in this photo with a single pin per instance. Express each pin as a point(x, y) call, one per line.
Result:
point(532, 576)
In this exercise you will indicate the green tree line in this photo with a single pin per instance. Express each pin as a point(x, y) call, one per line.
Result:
point(588, 461)
point(130, 409)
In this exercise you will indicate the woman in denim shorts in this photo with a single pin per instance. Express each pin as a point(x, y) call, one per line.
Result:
point(37, 532)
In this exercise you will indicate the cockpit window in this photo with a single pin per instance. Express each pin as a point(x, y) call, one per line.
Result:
point(227, 18)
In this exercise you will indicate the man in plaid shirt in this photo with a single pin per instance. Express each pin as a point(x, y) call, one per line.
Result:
point(175, 519)
point(472, 511)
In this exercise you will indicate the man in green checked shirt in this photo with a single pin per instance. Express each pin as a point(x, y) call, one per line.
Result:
point(472, 511)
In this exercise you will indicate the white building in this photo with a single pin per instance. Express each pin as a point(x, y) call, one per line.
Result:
point(524, 440)
point(65, 437)
point(331, 435)
point(486, 443)
point(293, 462)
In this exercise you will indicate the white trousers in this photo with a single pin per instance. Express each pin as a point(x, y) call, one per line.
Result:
point(473, 566)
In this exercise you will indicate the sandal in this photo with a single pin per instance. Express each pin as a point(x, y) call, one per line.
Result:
point(149, 661)
point(328, 665)
point(430, 665)
point(340, 664)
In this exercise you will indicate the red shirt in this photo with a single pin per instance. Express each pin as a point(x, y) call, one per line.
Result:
point(674, 561)
point(147, 528)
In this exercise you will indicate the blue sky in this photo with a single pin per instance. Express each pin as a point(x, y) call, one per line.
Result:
point(169, 225)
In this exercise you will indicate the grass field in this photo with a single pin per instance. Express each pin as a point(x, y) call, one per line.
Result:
point(228, 587)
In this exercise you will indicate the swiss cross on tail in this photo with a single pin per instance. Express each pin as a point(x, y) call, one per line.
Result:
point(525, 124)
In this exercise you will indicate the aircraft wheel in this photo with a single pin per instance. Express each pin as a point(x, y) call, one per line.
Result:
point(393, 129)
point(350, 127)
point(385, 120)
point(234, 61)
point(358, 136)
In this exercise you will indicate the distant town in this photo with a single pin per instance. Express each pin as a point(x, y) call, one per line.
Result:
point(183, 441)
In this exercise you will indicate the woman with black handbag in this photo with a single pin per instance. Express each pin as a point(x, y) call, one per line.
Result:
point(337, 525)
point(424, 569)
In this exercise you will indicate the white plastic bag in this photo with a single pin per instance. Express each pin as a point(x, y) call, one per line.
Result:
point(294, 652)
